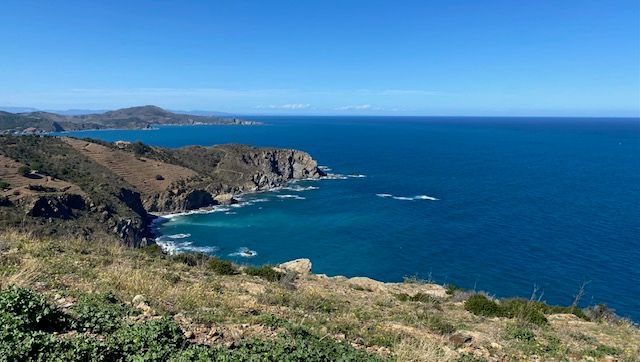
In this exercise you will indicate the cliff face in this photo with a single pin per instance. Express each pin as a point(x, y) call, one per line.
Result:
point(230, 169)
point(77, 187)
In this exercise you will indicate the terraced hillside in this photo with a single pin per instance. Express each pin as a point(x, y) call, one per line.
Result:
point(147, 175)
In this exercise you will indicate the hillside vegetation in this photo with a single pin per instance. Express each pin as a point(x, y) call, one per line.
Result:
point(71, 299)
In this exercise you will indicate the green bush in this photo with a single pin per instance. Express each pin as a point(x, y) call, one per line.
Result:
point(198, 353)
point(222, 267)
point(154, 340)
point(4, 185)
point(309, 349)
point(525, 310)
point(153, 250)
point(451, 289)
point(29, 310)
point(265, 272)
point(24, 170)
point(520, 332)
point(479, 304)
point(100, 313)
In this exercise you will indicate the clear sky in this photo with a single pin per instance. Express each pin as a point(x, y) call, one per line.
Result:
point(325, 57)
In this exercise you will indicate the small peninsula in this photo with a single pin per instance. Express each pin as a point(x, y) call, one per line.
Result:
point(67, 186)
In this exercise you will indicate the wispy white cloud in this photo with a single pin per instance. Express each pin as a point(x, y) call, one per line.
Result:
point(359, 107)
point(288, 106)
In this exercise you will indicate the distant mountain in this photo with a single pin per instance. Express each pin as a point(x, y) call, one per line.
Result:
point(126, 118)
point(17, 109)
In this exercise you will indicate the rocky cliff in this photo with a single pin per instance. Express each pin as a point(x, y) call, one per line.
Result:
point(229, 170)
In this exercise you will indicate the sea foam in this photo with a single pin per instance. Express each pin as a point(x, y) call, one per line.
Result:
point(287, 196)
point(244, 252)
point(408, 198)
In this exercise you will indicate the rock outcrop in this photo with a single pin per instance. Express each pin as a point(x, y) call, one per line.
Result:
point(298, 266)
point(55, 206)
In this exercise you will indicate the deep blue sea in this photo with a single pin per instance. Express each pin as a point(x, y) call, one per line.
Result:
point(548, 203)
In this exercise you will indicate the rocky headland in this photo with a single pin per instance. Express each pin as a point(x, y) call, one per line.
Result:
point(63, 185)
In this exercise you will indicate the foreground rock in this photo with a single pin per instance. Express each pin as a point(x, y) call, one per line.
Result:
point(298, 266)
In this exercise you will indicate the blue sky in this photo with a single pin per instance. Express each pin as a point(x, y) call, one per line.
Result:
point(325, 57)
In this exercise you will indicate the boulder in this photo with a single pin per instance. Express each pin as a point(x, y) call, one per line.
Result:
point(225, 199)
point(299, 266)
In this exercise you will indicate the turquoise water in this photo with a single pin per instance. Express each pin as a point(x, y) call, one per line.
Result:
point(521, 202)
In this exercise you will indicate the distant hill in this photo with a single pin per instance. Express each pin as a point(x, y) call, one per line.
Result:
point(126, 118)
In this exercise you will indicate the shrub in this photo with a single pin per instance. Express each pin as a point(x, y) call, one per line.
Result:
point(520, 332)
point(153, 250)
point(310, 348)
point(159, 177)
point(528, 311)
point(601, 313)
point(4, 185)
point(265, 272)
point(24, 170)
point(100, 313)
point(451, 289)
point(222, 267)
point(29, 310)
point(140, 149)
point(154, 340)
point(479, 304)
point(524, 310)
point(197, 353)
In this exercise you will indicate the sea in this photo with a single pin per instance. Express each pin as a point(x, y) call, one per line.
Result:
point(510, 206)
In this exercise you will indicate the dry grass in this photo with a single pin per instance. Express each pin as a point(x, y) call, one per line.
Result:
point(220, 309)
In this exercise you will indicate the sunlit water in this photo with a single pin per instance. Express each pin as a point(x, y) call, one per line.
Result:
point(495, 204)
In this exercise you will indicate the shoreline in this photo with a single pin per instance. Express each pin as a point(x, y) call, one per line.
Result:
point(159, 218)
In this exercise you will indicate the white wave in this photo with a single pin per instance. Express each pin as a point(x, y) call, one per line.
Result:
point(199, 249)
point(172, 247)
point(178, 236)
point(299, 188)
point(334, 176)
point(426, 197)
point(325, 168)
point(295, 197)
point(357, 176)
point(245, 253)
point(409, 198)
point(230, 213)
